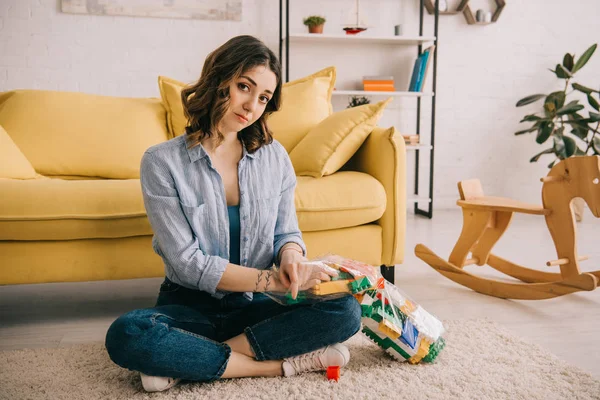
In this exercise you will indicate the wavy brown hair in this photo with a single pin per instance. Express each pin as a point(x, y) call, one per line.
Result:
point(206, 101)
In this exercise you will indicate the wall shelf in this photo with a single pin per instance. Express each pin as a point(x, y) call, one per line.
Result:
point(383, 94)
point(395, 40)
point(430, 7)
point(471, 18)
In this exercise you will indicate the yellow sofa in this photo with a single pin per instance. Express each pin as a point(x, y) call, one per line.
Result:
point(77, 214)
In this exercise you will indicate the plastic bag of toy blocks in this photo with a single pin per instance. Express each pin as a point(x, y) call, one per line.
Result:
point(399, 325)
point(390, 318)
point(354, 277)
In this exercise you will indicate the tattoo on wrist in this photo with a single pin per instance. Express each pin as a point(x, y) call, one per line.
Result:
point(260, 274)
point(269, 273)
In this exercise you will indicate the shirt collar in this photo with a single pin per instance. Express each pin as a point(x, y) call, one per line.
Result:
point(197, 152)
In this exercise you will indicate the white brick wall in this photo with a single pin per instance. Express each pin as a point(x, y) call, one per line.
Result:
point(482, 70)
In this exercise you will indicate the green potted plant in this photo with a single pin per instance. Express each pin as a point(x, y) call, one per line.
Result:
point(356, 101)
point(315, 23)
point(571, 133)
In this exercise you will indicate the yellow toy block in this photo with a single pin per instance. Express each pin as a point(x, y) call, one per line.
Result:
point(341, 286)
point(389, 329)
point(421, 352)
point(408, 308)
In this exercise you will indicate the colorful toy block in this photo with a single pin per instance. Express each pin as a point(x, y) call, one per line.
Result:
point(332, 287)
point(333, 373)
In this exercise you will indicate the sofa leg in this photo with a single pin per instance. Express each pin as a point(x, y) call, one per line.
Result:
point(388, 273)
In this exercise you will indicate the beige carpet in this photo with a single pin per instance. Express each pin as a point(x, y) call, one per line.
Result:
point(481, 361)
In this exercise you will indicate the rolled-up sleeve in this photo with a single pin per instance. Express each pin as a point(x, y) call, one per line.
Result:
point(178, 245)
point(286, 227)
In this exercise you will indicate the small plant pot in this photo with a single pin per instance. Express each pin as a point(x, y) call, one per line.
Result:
point(315, 29)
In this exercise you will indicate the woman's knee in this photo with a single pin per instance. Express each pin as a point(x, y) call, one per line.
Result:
point(123, 334)
point(347, 315)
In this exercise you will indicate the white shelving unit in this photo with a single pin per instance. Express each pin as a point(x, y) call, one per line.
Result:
point(365, 38)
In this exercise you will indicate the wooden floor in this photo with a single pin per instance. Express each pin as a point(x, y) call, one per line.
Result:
point(63, 314)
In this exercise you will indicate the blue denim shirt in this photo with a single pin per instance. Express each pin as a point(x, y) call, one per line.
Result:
point(185, 202)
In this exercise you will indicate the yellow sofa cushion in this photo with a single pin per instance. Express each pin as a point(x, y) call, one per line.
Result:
point(13, 163)
point(63, 133)
point(170, 93)
point(330, 144)
point(305, 103)
point(341, 200)
point(56, 209)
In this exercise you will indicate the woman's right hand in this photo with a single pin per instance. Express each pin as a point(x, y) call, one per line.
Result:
point(303, 275)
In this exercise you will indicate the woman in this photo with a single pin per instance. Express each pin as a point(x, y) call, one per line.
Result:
point(220, 199)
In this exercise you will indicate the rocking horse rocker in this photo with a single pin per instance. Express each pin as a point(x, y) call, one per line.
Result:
point(486, 218)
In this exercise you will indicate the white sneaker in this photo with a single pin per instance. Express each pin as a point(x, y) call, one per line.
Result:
point(157, 383)
point(318, 360)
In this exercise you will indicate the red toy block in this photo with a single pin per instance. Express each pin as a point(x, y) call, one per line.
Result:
point(333, 373)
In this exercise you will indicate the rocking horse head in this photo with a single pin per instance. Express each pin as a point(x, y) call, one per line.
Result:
point(570, 178)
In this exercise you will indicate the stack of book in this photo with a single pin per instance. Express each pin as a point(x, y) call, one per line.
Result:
point(378, 83)
point(420, 69)
point(411, 139)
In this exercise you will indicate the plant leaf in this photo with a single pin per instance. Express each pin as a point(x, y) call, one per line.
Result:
point(558, 98)
point(593, 102)
point(584, 58)
point(568, 61)
point(530, 117)
point(579, 131)
point(570, 146)
point(538, 155)
point(533, 128)
point(544, 131)
point(561, 72)
point(582, 88)
point(559, 147)
point(569, 109)
point(551, 164)
point(530, 99)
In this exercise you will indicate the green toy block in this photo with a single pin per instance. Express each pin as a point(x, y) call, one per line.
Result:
point(299, 299)
point(360, 285)
point(397, 349)
point(367, 310)
point(379, 314)
point(383, 343)
point(434, 350)
point(343, 276)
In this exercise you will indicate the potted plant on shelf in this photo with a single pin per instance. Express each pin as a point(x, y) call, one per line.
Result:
point(356, 101)
point(315, 23)
point(571, 133)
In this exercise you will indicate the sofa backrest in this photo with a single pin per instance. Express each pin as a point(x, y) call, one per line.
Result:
point(78, 134)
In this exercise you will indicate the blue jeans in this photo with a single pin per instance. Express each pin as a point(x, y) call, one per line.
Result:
point(182, 336)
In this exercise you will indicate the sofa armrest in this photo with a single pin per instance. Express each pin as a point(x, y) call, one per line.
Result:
point(383, 156)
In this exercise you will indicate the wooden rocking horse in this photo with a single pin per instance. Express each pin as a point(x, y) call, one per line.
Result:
point(486, 218)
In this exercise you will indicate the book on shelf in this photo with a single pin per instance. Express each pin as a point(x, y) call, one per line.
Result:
point(420, 69)
point(411, 139)
point(378, 78)
point(415, 74)
point(378, 83)
point(379, 88)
